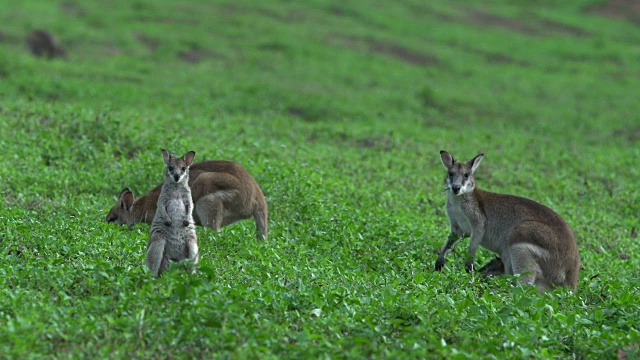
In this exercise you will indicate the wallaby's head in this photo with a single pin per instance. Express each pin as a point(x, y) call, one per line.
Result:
point(177, 167)
point(460, 175)
point(122, 213)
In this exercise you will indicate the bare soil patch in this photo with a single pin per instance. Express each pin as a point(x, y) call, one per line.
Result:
point(628, 10)
point(385, 47)
point(532, 27)
point(195, 56)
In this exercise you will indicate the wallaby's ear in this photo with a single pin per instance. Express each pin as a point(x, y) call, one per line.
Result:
point(447, 159)
point(188, 157)
point(166, 156)
point(475, 162)
point(126, 199)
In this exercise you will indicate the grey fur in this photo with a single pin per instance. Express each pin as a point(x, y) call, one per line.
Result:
point(531, 239)
point(173, 236)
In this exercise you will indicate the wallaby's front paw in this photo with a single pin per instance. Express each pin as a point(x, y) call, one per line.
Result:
point(167, 223)
point(469, 266)
point(185, 222)
point(439, 264)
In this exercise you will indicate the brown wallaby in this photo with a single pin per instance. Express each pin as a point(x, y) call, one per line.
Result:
point(43, 43)
point(530, 238)
point(228, 193)
point(173, 234)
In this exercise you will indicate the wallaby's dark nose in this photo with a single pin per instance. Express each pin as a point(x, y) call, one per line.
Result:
point(455, 189)
point(176, 177)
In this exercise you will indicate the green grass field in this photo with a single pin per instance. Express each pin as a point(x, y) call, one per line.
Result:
point(339, 110)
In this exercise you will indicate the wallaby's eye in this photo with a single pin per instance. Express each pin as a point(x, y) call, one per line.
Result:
point(170, 168)
point(466, 175)
point(184, 168)
point(450, 174)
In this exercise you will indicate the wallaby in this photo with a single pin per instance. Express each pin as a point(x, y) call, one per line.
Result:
point(531, 239)
point(225, 194)
point(173, 234)
point(43, 43)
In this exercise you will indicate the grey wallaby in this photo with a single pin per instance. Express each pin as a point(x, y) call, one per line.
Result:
point(222, 191)
point(531, 239)
point(173, 234)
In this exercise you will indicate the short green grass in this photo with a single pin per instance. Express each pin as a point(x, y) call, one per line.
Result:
point(339, 110)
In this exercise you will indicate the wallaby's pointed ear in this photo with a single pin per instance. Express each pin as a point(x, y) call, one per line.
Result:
point(475, 162)
point(166, 156)
point(126, 199)
point(188, 157)
point(447, 159)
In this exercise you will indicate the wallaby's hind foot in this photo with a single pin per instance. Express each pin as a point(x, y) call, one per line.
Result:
point(495, 267)
point(157, 262)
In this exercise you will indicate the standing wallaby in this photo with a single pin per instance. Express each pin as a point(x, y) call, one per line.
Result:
point(173, 234)
point(530, 238)
point(225, 194)
point(43, 43)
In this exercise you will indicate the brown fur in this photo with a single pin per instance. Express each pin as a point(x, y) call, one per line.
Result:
point(530, 238)
point(227, 191)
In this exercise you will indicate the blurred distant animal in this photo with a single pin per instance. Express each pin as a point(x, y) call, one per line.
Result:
point(44, 44)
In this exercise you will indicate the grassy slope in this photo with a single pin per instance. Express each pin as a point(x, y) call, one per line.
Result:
point(339, 110)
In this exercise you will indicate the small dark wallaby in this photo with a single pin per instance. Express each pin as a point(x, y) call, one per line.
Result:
point(225, 194)
point(173, 235)
point(531, 239)
point(43, 44)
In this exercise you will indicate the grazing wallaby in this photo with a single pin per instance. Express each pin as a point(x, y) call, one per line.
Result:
point(228, 193)
point(530, 238)
point(43, 43)
point(173, 234)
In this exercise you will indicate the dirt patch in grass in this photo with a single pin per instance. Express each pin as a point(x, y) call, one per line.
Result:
point(629, 134)
point(195, 56)
point(402, 53)
point(385, 47)
point(306, 114)
point(383, 143)
point(532, 27)
point(72, 8)
point(290, 17)
point(150, 42)
point(486, 19)
point(618, 9)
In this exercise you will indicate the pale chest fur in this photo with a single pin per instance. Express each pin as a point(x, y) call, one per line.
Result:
point(461, 215)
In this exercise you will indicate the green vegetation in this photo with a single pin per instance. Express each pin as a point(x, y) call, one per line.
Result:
point(339, 110)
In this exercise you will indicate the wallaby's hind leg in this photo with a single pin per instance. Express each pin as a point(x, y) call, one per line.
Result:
point(192, 249)
point(157, 262)
point(261, 215)
point(525, 260)
point(210, 210)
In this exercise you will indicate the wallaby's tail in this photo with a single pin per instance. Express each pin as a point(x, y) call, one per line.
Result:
point(572, 276)
point(156, 261)
point(261, 214)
